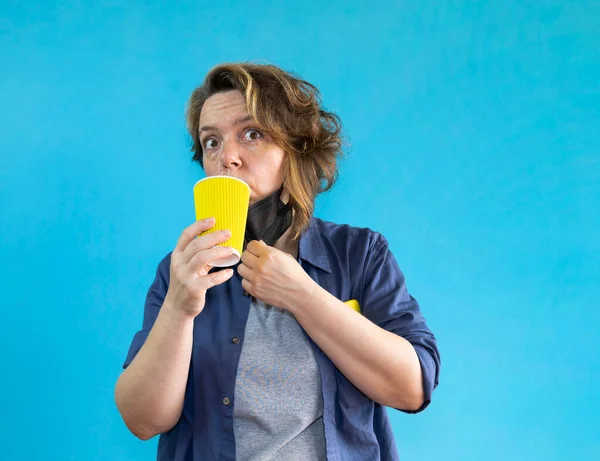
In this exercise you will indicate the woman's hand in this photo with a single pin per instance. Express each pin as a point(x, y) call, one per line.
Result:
point(190, 262)
point(273, 276)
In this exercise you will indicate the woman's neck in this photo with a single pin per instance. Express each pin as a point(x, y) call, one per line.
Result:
point(286, 244)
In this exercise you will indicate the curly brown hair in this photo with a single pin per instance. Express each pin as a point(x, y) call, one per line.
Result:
point(289, 109)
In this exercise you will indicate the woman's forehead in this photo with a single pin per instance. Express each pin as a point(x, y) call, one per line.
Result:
point(224, 109)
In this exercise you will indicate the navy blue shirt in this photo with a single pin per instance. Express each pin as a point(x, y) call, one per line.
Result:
point(350, 263)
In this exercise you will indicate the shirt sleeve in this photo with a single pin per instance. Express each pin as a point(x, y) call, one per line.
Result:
point(387, 303)
point(154, 300)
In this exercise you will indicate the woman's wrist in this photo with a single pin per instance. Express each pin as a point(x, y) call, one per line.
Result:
point(176, 315)
point(307, 293)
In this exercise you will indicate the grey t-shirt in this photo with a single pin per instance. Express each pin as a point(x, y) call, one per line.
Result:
point(278, 404)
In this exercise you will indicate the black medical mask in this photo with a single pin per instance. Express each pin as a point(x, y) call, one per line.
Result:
point(268, 219)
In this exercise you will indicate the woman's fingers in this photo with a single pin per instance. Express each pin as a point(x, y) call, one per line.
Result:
point(216, 278)
point(244, 271)
point(192, 231)
point(247, 285)
point(204, 242)
point(250, 259)
point(204, 258)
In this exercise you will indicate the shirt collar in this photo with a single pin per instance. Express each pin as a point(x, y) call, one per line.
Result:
point(311, 248)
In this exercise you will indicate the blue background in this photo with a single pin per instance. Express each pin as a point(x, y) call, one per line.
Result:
point(475, 137)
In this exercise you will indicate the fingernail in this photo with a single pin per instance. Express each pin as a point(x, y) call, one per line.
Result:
point(209, 220)
point(226, 232)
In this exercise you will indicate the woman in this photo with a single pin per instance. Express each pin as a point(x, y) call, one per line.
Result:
point(264, 361)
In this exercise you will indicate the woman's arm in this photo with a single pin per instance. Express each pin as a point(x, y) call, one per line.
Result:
point(150, 392)
point(382, 365)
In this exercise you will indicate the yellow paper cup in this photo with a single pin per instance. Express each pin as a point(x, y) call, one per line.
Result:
point(226, 199)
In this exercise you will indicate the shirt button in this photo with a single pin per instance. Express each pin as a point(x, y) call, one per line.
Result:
point(226, 401)
point(235, 340)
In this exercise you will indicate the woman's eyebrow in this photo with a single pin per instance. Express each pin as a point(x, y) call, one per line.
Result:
point(237, 121)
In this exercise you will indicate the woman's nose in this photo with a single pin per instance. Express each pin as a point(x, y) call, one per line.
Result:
point(230, 158)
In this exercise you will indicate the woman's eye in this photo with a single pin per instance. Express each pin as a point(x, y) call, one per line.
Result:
point(252, 135)
point(210, 143)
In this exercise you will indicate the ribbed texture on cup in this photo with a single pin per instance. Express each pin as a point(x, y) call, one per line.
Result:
point(226, 199)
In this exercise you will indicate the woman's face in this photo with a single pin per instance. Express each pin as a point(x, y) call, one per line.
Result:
point(233, 145)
